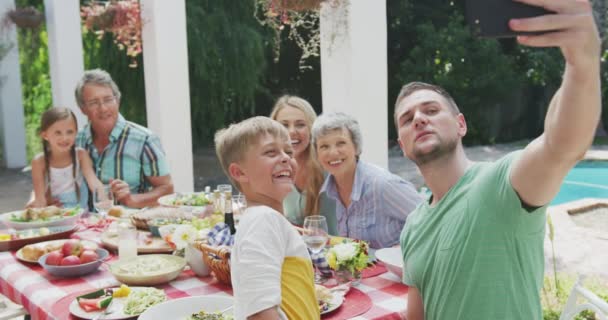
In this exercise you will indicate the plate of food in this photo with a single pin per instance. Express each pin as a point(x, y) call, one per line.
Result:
point(195, 202)
point(116, 303)
point(192, 308)
point(141, 218)
point(14, 239)
point(187, 199)
point(41, 217)
point(329, 299)
point(32, 252)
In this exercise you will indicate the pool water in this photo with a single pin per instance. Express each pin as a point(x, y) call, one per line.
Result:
point(588, 179)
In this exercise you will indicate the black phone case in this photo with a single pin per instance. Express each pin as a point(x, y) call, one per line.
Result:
point(490, 18)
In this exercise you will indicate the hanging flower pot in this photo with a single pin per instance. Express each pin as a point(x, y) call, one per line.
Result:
point(296, 5)
point(122, 18)
point(26, 17)
point(102, 20)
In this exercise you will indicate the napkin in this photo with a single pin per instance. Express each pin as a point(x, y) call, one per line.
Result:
point(318, 259)
point(220, 236)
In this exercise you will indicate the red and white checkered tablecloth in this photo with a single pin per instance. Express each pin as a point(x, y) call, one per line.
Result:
point(30, 286)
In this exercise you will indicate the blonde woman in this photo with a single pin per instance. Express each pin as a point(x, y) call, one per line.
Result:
point(297, 115)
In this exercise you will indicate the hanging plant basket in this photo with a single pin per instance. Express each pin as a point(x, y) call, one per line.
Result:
point(296, 5)
point(122, 18)
point(102, 21)
point(26, 17)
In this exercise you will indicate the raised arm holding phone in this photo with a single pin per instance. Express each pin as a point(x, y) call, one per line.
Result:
point(475, 249)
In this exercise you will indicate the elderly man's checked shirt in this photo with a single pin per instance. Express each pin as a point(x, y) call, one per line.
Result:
point(133, 154)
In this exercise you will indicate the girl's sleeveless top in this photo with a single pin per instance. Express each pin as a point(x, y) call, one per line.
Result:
point(61, 181)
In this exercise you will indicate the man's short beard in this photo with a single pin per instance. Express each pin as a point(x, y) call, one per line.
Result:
point(439, 151)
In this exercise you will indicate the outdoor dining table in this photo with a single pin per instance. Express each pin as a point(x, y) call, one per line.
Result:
point(47, 297)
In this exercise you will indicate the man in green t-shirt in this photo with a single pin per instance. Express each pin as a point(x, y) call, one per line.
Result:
point(474, 250)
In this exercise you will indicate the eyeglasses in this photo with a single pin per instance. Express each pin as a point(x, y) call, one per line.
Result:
point(96, 104)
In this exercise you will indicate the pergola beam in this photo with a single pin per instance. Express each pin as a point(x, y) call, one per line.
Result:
point(12, 120)
point(165, 50)
point(66, 59)
point(354, 69)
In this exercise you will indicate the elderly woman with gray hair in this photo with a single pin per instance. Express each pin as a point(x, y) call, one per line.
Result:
point(371, 203)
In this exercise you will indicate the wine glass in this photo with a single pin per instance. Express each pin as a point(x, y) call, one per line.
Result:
point(315, 235)
point(103, 199)
point(240, 204)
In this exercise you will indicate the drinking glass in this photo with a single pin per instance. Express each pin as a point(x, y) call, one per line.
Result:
point(127, 240)
point(224, 187)
point(315, 235)
point(103, 200)
point(240, 204)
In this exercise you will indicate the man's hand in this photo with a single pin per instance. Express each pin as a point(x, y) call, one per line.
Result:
point(121, 191)
point(576, 33)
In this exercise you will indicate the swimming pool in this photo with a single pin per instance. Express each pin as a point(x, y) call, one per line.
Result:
point(588, 179)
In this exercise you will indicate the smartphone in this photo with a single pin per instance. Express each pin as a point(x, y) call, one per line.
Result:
point(490, 18)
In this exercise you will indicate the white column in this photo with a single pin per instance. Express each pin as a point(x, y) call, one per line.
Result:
point(167, 86)
point(12, 121)
point(66, 60)
point(354, 69)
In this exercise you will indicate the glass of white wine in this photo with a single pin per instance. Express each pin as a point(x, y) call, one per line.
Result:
point(315, 235)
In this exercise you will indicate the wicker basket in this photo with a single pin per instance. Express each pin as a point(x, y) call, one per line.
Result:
point(218, 260)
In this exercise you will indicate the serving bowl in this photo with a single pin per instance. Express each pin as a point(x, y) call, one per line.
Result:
point(74, 270)
point(148, 270)
point(392, 259)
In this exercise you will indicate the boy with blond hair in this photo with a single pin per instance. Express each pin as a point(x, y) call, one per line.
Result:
point(272, 273)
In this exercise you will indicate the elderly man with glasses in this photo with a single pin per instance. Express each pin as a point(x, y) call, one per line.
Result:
point(126, 156)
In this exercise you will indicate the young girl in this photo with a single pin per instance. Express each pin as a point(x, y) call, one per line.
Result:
point(297, 115)
point(57, 173)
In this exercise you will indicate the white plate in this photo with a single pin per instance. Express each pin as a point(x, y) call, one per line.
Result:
point(65, 221)
point(117, 305)
point(392, 259)
point(335, 302)
point(166, 201)
point(184, 307)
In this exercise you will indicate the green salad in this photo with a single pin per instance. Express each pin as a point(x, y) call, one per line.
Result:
point(190, 199)
point(202, 315)
point(139, 300)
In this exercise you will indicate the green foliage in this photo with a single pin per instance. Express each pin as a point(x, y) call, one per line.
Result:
point(104, 54)
point(227, 64)
point(554, 297)
point(476, 73)
point(36, 84)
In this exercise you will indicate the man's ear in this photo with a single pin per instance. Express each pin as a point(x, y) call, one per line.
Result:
point(402, 147)
point(237, 173)
point(462, 125)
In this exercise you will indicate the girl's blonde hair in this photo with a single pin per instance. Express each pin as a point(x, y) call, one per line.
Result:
point(49, 117)
point(315, 172)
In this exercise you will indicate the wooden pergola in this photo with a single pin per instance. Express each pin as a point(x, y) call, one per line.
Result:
point(354, 76)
